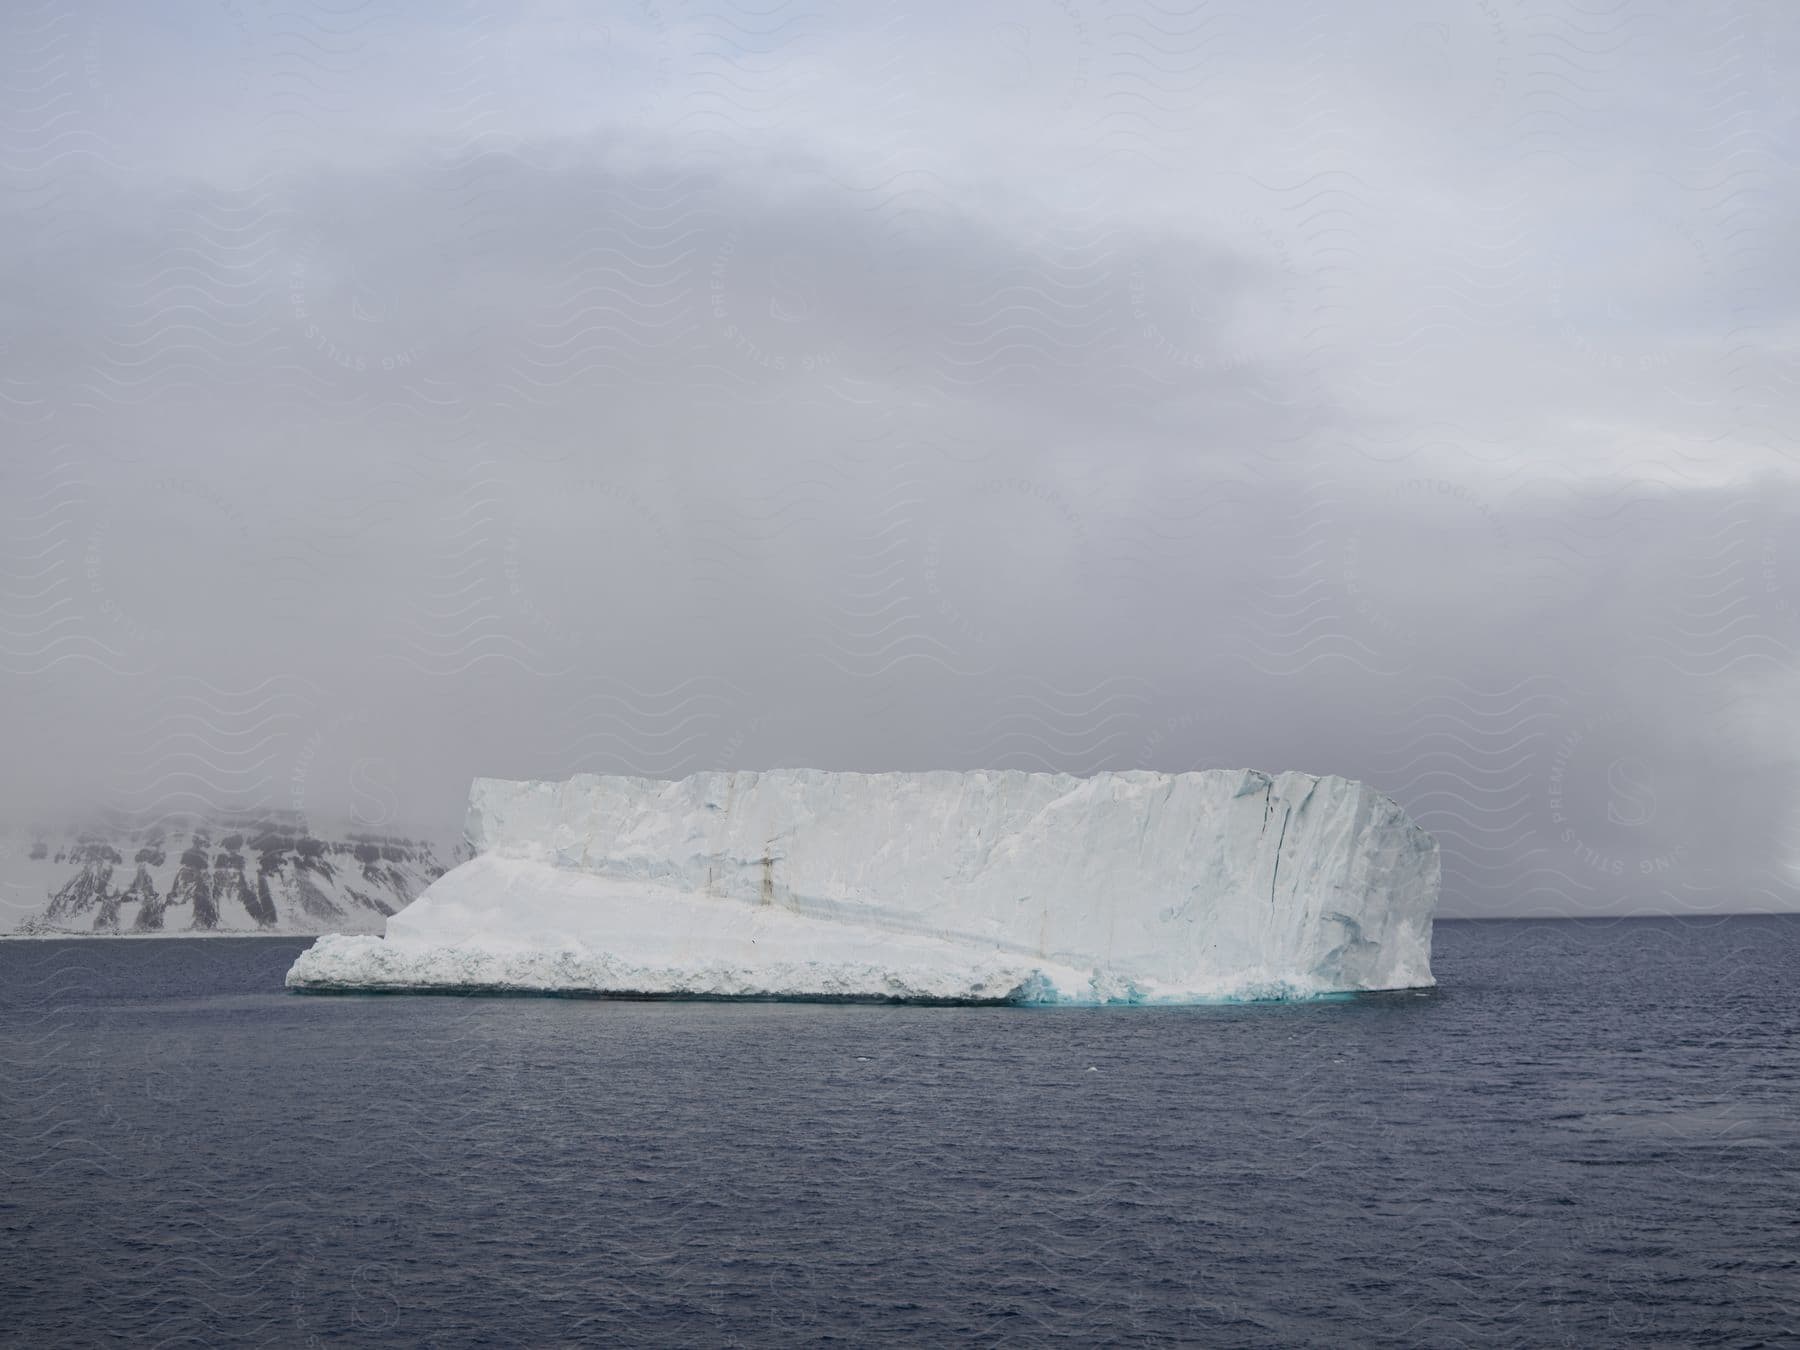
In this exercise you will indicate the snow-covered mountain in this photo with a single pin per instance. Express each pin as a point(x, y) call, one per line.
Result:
point(225, 874)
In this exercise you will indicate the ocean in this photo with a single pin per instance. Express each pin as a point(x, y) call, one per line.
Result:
point(1588, 1134)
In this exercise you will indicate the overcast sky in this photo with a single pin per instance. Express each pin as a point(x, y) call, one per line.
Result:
point(400, 392)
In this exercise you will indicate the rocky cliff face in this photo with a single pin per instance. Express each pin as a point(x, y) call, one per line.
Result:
point(263, 875)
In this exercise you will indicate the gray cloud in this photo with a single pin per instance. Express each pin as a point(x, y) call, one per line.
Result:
point(390, 401)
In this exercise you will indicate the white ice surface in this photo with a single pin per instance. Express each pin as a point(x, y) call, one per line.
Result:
point(987, 885)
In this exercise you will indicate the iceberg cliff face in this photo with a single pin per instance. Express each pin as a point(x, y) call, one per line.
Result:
point(1003, 886)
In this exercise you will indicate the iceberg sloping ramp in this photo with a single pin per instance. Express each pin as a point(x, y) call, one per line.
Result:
point(991, 886)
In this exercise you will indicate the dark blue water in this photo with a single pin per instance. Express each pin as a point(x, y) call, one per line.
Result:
point(1590, 1134)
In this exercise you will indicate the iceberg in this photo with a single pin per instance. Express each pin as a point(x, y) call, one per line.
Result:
point(986, 886)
